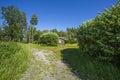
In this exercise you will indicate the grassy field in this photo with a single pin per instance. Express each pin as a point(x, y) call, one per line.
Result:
point(85, 67)
point(14, 60)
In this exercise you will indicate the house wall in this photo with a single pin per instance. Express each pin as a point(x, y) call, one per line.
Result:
point(61, 42)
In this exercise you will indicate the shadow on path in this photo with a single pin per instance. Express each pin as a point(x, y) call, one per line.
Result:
point(71, 57)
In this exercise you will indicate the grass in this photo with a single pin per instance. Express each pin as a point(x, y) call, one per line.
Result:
point(88, 68)
point(14, 60)
point(84, 66)
point(55, 49)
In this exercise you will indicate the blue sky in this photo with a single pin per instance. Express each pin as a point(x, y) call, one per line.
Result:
point(59, 14)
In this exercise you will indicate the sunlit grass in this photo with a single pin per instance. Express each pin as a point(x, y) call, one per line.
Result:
point(55, 49)
point(14, 60)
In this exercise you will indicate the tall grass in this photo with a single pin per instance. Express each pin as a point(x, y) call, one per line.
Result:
point(88, 68)
point(14, 60)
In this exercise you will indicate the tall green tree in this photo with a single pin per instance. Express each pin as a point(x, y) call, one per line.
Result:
point(33, 22)
point(31, 33)
point(24, 25)
point(1, 33)
point(15, 23)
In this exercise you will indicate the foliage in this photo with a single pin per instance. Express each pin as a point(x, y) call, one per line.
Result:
point(1, 33)
point(49, 39)
point(37, 35)
point(62, 33)
point(33, 22)
point(54, 30)
point(45, 31)
point(14, 60)
point(15, 27)
point(15, 23)
point(34, 19)
point(100, 37)
point(71, 35)
point(32, 30)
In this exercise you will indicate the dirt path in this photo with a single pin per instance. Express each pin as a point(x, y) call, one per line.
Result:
point(45, 66)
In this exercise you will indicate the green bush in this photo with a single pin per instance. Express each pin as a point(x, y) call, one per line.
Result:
point(14, 60)
point(100, 37)
point(71, 40)
point(49, 39)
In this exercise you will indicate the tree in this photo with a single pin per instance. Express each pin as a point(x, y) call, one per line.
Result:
point(15, 22)
point(33, 21)
point(24, 25)
point(1, 33)
point(54, 30)
point(45, 31)
point(62, 34)
point(71, 35)
point(37, 35)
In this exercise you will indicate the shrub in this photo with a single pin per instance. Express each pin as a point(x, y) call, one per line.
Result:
point(100, 37)
point(49, 39)
point(71, 40)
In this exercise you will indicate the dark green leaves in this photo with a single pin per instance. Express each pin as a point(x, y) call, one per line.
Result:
point(15, 23)
point(100, 37)
point(34, 19)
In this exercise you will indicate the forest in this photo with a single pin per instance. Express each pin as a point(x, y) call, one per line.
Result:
point(92, 49)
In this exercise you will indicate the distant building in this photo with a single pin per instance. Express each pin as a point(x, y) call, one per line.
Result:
point(61, 41)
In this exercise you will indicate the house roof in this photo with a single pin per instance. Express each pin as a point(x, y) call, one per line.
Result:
point(61, 38)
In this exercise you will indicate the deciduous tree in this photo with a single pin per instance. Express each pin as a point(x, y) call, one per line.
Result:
point(33, 22)
point(15, 23)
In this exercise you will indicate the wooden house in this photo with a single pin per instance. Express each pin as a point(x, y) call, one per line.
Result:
point(61, 41)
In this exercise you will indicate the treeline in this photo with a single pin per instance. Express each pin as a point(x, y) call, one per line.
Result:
point(69, 35)
point(100, 37)
point(15, 28)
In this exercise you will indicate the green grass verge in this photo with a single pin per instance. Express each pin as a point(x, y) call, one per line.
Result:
point(88, 68)
point(14, 60)
point(85, 67)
